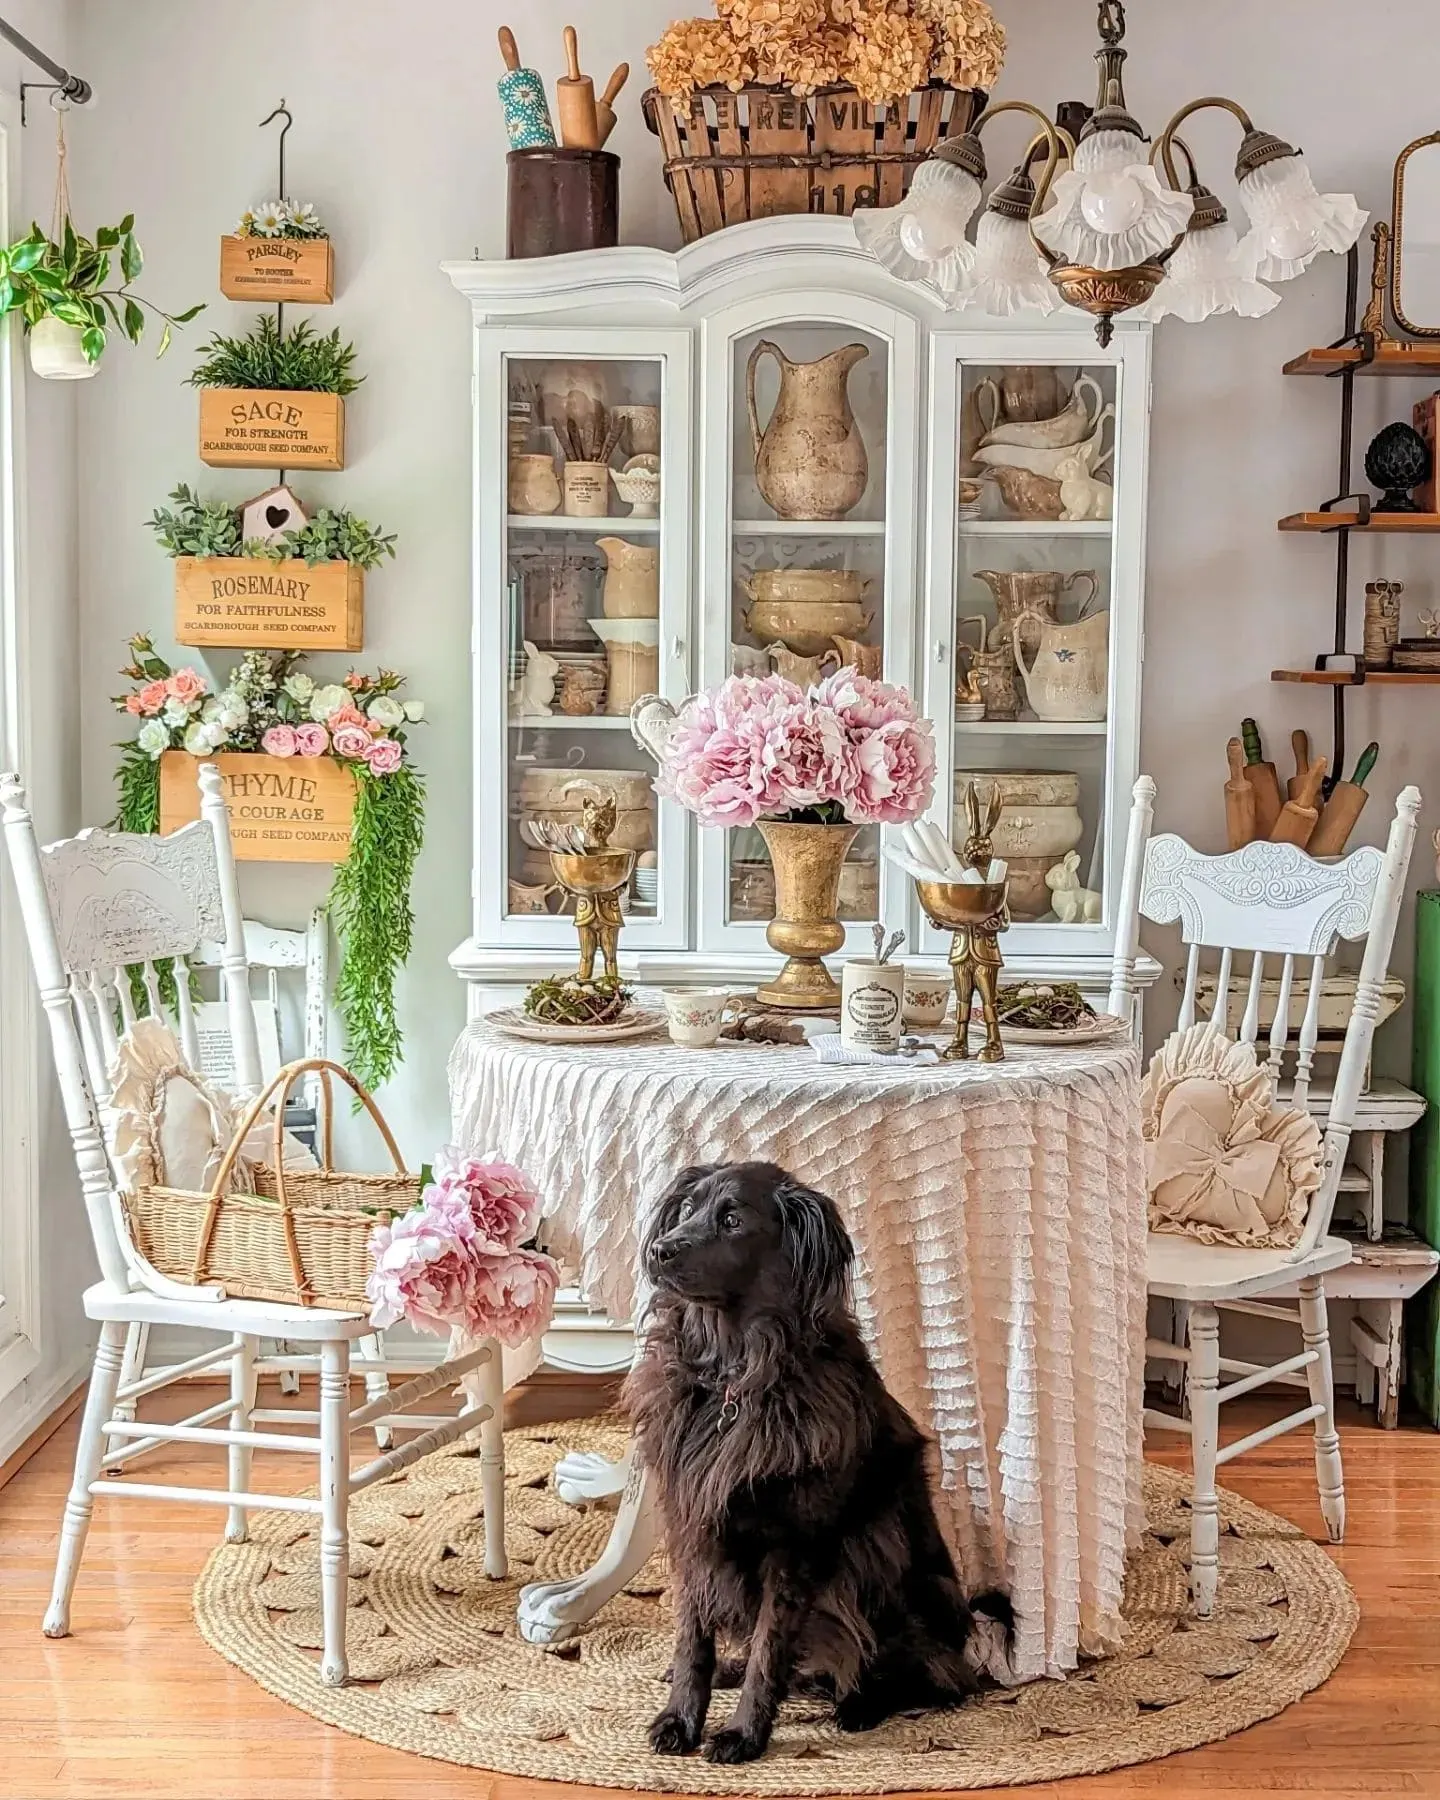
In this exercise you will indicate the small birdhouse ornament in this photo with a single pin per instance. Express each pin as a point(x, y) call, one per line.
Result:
point(271, 514)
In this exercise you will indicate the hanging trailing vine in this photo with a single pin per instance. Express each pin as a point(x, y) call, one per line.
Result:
point(270, 706)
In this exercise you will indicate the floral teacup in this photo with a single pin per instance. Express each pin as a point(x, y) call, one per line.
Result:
point(695, 1015)
point(927, 999)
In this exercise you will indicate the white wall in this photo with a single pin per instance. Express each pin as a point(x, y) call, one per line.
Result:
point(399, 141)
point(49, 537)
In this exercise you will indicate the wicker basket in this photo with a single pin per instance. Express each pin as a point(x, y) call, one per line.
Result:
point(300, 1238)
point(762, 151)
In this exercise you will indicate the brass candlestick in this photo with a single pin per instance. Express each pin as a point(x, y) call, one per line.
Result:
point(595, 875)
point(976, 913)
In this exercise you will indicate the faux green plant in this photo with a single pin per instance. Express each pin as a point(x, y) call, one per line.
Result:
point(41, 279)
point(269, 357)
point(190, 526)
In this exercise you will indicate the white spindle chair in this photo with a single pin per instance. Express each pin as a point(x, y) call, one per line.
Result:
point(1264, 900)
point(92, 905)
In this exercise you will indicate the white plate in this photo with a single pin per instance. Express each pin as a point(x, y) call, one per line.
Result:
point(1092, 1031)
point(514, 1023)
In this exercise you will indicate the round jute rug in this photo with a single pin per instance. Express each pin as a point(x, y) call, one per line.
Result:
point(438, 1667)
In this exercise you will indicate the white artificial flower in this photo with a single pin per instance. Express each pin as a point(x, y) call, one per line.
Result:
point(197, 739)
point(154, 737)
point(305, 218)
point(385, 711)
point(175, 712)
point(414, 711)
point(270, 218)
point(232, 713)
point(300, 688)
point(327, 700)
point(210, 711)
point(247, 222)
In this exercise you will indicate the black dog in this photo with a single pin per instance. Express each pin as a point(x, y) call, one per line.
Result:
point(798, 1517)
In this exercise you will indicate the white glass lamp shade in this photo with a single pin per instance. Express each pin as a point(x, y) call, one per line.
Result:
point(1007, 275)
point(923, 239)
point(1109, 209)
point(1204, 277)
point(1290, 223)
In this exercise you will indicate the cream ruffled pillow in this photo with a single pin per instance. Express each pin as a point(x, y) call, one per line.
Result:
point(1226, 1165)
point(169, 1128)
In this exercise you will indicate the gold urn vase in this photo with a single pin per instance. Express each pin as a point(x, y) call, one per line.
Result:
point(807, 861)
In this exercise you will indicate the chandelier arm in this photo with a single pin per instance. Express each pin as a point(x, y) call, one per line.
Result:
point(1165, 141)
point(1052, 162)
point(1179, 144)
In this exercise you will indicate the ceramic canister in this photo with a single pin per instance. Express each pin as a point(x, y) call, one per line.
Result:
point(872, 1004)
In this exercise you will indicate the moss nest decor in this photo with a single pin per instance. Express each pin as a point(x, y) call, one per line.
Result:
point(437, 1665)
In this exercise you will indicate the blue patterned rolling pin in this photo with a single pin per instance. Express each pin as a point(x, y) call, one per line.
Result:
point(522, 94)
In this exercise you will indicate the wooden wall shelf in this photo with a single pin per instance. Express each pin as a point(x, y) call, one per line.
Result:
point(1333, 521)
point(1390, 359)
point(1337, 678)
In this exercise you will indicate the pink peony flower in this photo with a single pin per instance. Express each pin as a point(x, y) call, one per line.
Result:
point(421, 1273)
point(184, 685)
point(279, 740)
point(152, 697)
point(513, 1297)
point(504, 1206)
point(350, 741)
point(384, 756)
point(888, 755)
point(311, 740)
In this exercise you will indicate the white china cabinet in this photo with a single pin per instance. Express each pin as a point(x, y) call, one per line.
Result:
point(589, 587)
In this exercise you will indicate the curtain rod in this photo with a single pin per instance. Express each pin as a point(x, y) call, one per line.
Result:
point(73, 88)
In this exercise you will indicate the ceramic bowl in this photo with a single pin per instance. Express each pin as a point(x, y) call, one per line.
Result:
point(1043, 833)
point(566, 790)
point(1022, 787)
point(645, 632)
point(807, 627)
point(807, 587)
point(639, 489)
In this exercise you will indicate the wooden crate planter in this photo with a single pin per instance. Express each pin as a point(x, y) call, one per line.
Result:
point(261, 268)
point(271, 428)
point(282, 808)
point(763, 151)
point(248, 602)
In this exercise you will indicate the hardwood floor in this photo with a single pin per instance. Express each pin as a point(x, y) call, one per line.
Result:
point(135, 1705)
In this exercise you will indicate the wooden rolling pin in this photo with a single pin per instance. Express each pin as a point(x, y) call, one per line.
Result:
point(1300, 744)
point(1261, 776)
point(522, 95)
point(1343, 808)
point(1239, 799)
point(1298, 817)
point(575, 97)
point(605, 105)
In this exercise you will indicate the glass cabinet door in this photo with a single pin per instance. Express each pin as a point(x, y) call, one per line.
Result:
point(1034, 596)
point(807, 554)
point(584, 558)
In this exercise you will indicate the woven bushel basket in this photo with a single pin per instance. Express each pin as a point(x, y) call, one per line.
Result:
point(763, 151)
point(301, 1238)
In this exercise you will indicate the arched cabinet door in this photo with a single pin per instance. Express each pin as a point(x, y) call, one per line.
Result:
point(1041, 614)
point(810, 410)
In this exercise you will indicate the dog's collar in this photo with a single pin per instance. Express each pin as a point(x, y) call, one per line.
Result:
point(729, 1411)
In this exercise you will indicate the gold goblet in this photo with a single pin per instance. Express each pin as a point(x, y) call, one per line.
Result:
point(976, 913)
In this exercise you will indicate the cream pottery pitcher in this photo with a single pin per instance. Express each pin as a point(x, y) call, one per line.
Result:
point(1031, 597)
point(632, 579)
point(810, 460)
point(1070, 677)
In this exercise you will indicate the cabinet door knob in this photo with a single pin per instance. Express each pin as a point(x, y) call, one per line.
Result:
point(677, 648)
point(939, 650)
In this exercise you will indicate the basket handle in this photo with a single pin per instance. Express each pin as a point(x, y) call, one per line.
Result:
point(763, 348)
point(283, 1082)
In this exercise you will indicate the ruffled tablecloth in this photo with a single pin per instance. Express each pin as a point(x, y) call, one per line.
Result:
point(998, 1214)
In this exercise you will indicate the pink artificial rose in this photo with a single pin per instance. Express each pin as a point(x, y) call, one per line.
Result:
point(279, 740)
point(152, 697)
point(503, 1205)
point(350, 741)
point(133, 706)
point(184, 685)
point(513, 1297)
point(354, 681)
point(384, 756)
point(346, 715)
point(311, 740)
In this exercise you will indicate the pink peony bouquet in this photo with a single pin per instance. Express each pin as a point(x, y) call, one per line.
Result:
point(759, 747)
point(455, 1260)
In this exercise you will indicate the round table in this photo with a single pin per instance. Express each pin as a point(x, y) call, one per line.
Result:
point(999, 1219)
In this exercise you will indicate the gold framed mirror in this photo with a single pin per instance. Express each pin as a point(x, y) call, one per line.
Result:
point(1415, 256)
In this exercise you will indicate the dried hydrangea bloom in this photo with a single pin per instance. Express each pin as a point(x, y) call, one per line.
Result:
point(768, 28)
point(695, 53)
point(888, 54)
point(970, 42)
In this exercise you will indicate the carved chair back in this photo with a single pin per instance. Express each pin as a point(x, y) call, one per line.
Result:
point(96, 907)
point(1272, 900)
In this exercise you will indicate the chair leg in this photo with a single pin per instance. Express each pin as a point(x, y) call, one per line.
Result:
point(99, 1405)
point(242, 1396)
point(132, 1368)
point(1204, 1384)
point(1329, 1476)
point(377, 1384)
point(492, 1463)
point(335, 1506)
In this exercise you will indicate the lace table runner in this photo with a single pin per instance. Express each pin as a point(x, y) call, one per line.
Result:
point(998, 1213)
